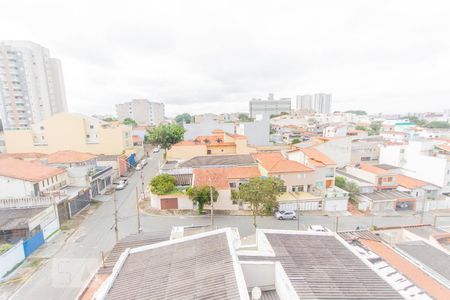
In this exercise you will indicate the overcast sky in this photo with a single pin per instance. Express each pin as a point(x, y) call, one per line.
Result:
point(214, 56)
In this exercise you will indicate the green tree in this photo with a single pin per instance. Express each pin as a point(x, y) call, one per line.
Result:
point(352, 188)
point(165, 135)
point(375, 128)
point(261, 194)
point(162, 184)
point(417, 121)
point(201, 195)
point(295, 141)
point(357, 112)
point(340, 182)
point(438, 124)
point(130, 121)
point(186, 118)
point(245, 118)
point(359, 127)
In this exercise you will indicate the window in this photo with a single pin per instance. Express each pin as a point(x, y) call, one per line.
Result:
point(42, 127)
point(232, 184)
point(88, 136)
point(91, 126)
point(48, 181)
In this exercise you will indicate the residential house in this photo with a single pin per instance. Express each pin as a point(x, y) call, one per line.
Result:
point(365, 150)
point(383, 176)
point(219, 143)
point(427, 160)
point(76, 132)
point(83, 170)
point(394, 136)
point(272, 265)
point(19, 178)
point(386, 201)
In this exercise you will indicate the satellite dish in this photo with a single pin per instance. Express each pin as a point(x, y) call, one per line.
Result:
point(256, 293)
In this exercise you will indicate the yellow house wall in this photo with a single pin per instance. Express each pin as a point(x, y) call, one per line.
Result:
point(225, 149)
point(67, 132)
point(186, 152)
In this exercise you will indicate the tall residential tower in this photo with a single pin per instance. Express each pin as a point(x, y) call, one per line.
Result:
point(142, 111)
point(31, 84)
point(269, 107)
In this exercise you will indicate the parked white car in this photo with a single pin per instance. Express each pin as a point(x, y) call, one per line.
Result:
point(138, 167)
point(285, 215)
point(143, 162)
point(318, 228)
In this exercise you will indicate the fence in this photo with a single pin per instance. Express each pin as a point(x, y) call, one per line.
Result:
point(33, 243)
point(79, 202)
point(26, 202)
point(11, 258)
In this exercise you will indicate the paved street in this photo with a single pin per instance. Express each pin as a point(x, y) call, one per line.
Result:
point(63, 275)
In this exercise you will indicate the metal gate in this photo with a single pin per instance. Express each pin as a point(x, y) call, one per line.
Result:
point(33, 243)
point(170, 203)
point(79, 202)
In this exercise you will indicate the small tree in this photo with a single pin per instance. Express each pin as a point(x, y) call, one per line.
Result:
point(130, 121)
point(162, 184)
point(261, 194)
point(186, 118)
point(375, 128)
point(165, 135)
point(201, 195)
point(295, 141)
point(352, 188)
point(245, 118)
point(340, 182)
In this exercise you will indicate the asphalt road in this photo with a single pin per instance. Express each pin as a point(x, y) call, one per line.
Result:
point(63, 275)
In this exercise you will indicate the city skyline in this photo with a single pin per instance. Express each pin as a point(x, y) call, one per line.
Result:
point(195, 68)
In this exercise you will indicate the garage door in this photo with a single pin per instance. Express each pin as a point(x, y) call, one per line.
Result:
point(169, 203)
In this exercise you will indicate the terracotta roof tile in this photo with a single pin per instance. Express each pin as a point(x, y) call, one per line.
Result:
point(410, 182)
point(445, 147)
point(317, 158)
point(220, 177)
point(69, 156)
point(28, 171)
point(413, 273)
point(275, 162)
point(372, 169)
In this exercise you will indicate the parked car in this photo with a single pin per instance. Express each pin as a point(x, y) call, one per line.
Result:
point(144, 162)
point(318, 228)
point(121, 186)
point(156, 150)
point(285, 215)
point(138, 167)
point(362, 227)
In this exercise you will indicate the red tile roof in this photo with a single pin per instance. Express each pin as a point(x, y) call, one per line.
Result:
point(220, 177)
point(410, 183)
point(275, 162)
point(136, 139)
point(445, 147)
point(25, 170)
point(26, 156)
point(317, 158)
point(69, 156)
point(372, 169)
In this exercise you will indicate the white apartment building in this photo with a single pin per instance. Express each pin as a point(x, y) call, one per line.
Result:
point(421, 159)
point(142, 111)
point(31, 84)
point(269, 107)
point(322, 103)
point(305, 102)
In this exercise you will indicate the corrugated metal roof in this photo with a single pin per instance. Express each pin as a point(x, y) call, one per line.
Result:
point(219, 160)
point(201, 268)
point(359, 234)
point(17, 218)
point(321, 267)
point(131, 241)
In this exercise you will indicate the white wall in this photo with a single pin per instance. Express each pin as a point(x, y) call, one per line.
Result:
point(11, 258)
point(367, 176)
point(260, 274)
point(336, 204)
point(205, 128)
point(340, 150)
point(15, 188)
point(257, 132)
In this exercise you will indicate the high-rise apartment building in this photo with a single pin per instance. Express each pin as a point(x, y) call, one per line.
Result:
point(320, 103)
point(305, 102)
point(31, 84)
point(269, 107)
point(142, 111)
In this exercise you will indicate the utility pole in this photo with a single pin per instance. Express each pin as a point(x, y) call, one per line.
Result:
point(337, 223)
point(298, 216)
point(212, 203)
point(138, 213)
point(423, 210)
point(116, 227)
